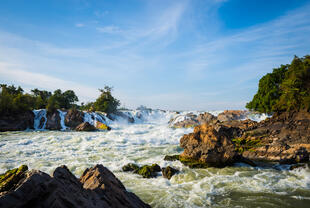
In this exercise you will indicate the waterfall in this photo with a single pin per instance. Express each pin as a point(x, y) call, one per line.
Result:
point(38, 115)
point(62, 115)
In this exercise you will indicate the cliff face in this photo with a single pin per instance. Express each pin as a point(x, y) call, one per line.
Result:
point(284, 138)
point(97, 187)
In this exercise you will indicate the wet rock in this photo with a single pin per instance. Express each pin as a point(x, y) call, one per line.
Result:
point(97, 187)
point(168, 172)
point(184, 121)
point(130, 167)
point(209, 145)
point(148, 171)
point(102, 126)
point(53, 121)
point(122, 115)
point(17, 122)
point(284, 138)
point(206, 118)
point(74, 118)
point(85, 127)
point(171, 157)
point(230, 115)
point(9, 179)
point(296, 166)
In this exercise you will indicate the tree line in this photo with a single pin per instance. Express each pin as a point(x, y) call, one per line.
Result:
point(287, 88)
point(14, 100)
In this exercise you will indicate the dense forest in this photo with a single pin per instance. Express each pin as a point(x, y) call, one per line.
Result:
point(287, 88)
point(14, 100)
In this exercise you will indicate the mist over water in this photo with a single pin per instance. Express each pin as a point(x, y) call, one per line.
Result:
point(145, 142)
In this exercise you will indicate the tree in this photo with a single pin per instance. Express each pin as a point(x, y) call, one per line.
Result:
point(285, 89)
point(106, 102)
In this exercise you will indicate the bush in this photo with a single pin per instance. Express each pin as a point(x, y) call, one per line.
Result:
point(287, 88)
point(106, 102)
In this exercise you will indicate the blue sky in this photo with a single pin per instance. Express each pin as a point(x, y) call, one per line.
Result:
point(178, 55)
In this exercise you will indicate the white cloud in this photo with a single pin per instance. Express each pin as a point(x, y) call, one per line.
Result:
point(79, 25)
point(110, 29)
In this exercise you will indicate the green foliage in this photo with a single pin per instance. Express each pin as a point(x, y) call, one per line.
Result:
point(60, 99)
point(287, 88)
point(106, 102)
point(243, 144)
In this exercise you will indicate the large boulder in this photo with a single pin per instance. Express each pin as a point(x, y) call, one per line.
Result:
point(53, 121)
point(17, 122)
point(97, 187)
point(191, 120)
point(74, 118)
point(102, 126)
point(209, 145)
point(85, 127)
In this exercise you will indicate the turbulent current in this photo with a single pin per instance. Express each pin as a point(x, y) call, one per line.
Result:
point(148, 141)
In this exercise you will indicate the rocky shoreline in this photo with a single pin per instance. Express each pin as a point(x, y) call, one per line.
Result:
point(97, 187)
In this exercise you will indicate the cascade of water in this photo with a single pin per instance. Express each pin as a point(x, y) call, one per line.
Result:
point(38, 115)
point(62, 115)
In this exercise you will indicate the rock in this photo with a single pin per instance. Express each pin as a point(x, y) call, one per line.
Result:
point(17, 122)
point(296, 166)
point(284, 138)
point(148, 171)
point(230, 115)
point(74, 118)
point(184, 121)
point(168, 172)
point(53, 121)
point(85, 127)
point(97, 187)
point(171, 157)
point(209, 145)
point(122, 115)
point(206, 118)
point(9, 179)
point(130, 167)
point(102, 126)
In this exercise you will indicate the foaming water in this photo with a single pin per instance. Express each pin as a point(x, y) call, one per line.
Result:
point(146, 142)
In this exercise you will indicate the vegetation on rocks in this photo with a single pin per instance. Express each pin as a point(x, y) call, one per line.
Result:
point(11, 177)
point(287, 88)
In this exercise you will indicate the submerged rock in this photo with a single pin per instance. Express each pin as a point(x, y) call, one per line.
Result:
point(85, 127)
point(168, 172)
point(130, 167)
point(171, 157)
point(148, 171)
point(97, 187)
point(74, 118)
point(17, 122)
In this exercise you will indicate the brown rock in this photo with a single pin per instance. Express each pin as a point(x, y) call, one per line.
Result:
point(53, 121)
point(74, 118)
point(210, 145)
point(17, 122)
point(98, 187)
point(230, 115)
point(85, 127)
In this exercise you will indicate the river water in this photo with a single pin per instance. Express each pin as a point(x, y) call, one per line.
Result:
point(147, 142)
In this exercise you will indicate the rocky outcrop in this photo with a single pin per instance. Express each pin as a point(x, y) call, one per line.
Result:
point(146, 171)
point(209, 145)
point(53, 121)
point(231, 115)
point(97, 187)
point(85, 127)
point(74, 118)
point(168, 172)
point(284, 138)
point(17, 122)
point(191, 120)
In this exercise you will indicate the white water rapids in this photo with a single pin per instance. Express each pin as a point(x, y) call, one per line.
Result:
point(145, 142)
